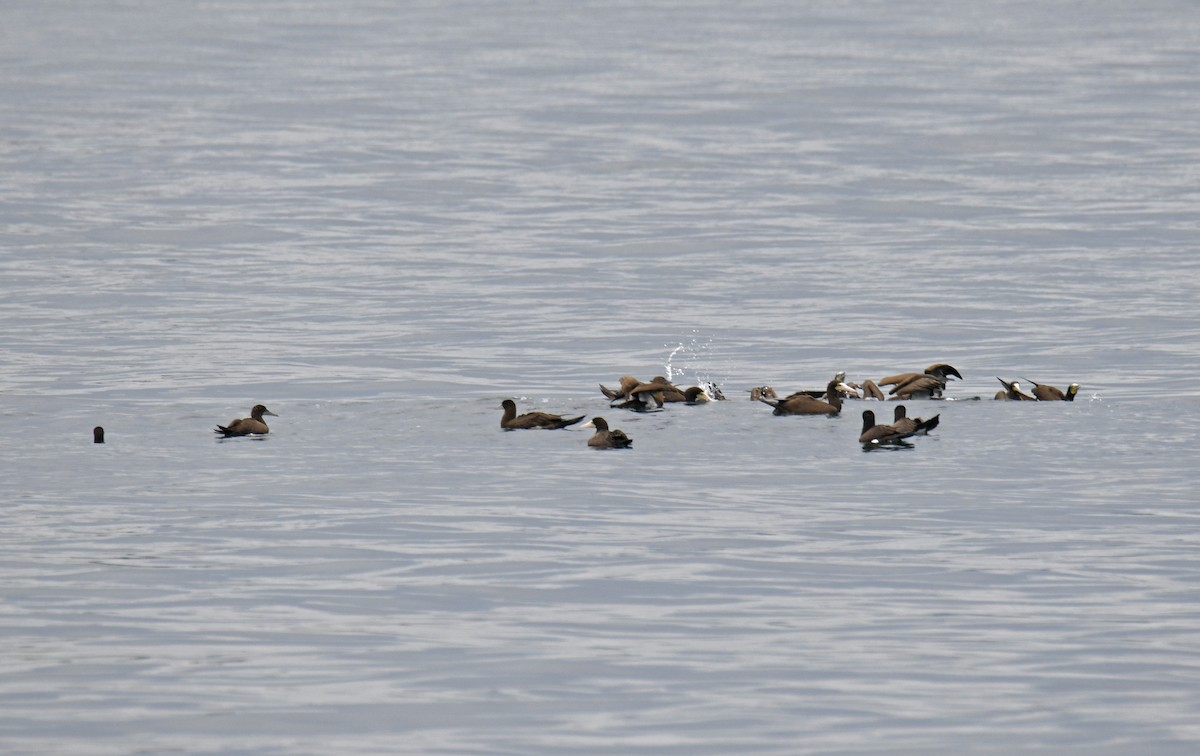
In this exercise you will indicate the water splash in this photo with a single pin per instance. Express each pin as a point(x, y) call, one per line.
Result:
point(694, 357)
point(670, 357)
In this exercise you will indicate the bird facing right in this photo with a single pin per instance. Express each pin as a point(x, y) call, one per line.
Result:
point(247, 426)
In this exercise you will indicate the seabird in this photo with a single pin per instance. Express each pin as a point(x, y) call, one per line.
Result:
point(644, 402)
point(1044, 392)
point(871, 390)
point(660, 387)
point(97, 435)
point(604, 438)
point(879, 434)
point(914, 425)
point(247, 426)
point(626, 383)
point(847, 390)
point(802, 403)
point(1012, 392)
point(926, 385)
point(511, 420)
point(758, 393)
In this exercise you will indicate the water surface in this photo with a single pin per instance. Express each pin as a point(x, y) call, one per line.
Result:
point(382, 221)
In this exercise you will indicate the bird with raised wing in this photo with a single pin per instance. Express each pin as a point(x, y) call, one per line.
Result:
point(927, 385)
point(1012, 392)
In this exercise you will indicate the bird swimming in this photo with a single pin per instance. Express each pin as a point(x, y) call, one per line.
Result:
point(530, 420)
point(914, 425)
point(879, 434)
point(758, 393)
point(627, 382)
point(604, 438)
point(1012, 392)
point(247, 426)
point(1044, 392)
point(927, 385)
point(803, 403)
point(659, 388)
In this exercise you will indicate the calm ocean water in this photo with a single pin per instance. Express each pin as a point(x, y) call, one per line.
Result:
point(382, 219)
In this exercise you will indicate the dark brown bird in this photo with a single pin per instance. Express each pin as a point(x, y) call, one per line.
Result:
point(1012, 392)
point(604, 438)
point(871, 390)
point(802, 403)
point(1044, 392)
point(940, 369)
point(914, 425)
point(247, 426)
point(846, 390)
point(643, 397)
point(660, 388)
point(627, 382)
point(640, 403)
point(927, 385)
point(879, 434)
point(868, 389)
point(512, 421)
point(696, 395)
point(97, 435)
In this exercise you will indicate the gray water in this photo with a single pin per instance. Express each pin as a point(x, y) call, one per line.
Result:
point(381, 219)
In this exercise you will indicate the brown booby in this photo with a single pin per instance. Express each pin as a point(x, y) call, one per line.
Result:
point(879, 434)
point(914, 425)
point(803, 403)
point(247, 426)
point(926, 385)
point(1044, 392)
point(604, 438)
point(626, 383)
point(512, 421)
point(1012, 392)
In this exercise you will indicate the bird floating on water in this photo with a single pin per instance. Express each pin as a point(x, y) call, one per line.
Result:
point(530, 420)
point(927, 385)
point(247, 426)
point(874, 434)
point(604, 438)
point(1012, 392)
point(915, 425)
point(802, 402)
point(1044, 392)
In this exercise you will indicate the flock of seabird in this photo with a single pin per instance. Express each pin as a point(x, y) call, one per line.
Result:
point(639, 396)
point(633, 394)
